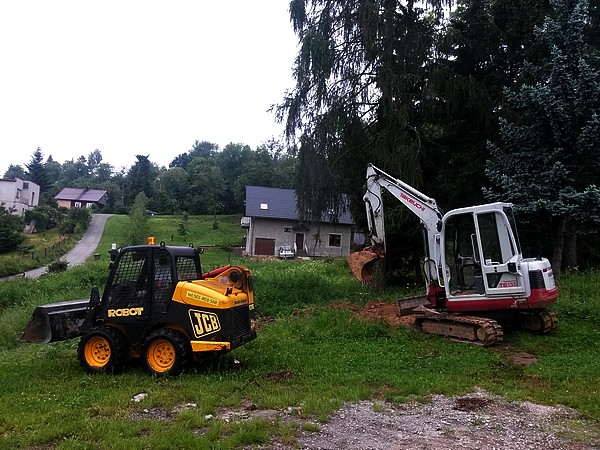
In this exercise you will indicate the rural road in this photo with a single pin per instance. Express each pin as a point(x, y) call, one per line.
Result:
point(83, 249)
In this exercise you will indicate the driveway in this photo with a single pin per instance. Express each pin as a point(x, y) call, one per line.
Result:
point(83, 249)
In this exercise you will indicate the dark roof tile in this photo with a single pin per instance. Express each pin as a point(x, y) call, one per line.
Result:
point(276, 203)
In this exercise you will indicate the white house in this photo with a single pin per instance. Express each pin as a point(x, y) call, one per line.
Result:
point(272, 221)
point(18, 195)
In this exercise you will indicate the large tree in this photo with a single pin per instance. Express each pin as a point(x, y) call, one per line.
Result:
point(361, 94)
point(484, 47)
point(547, 161)
point(140, 178)
point(200, 149)
point(15, 171)
point(206, 187)
point(170, 191)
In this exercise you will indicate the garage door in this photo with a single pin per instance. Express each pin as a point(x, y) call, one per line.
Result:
point(264, 246)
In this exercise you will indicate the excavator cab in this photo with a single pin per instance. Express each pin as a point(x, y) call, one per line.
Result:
point(480, 253)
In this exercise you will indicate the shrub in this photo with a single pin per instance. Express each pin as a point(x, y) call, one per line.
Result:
point(76, 222)
point(11, 231)
point(57, 266)
point(45, 217)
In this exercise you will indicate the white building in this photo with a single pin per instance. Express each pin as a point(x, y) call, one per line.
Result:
point(272, 221)
point(18, 195)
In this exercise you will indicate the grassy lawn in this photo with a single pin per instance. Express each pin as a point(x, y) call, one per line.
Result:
point(310, 358)
point(217, 240)
point(38, 249)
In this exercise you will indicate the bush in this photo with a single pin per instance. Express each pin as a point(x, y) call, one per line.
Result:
point(45, 217)
point(11, 231)
point(76, 222)
point(58, 266)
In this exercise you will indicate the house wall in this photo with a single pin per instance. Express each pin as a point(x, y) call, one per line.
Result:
point(20, 195)
point(74, 204)
point(284, 233)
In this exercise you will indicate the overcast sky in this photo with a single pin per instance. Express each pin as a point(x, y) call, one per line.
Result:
point(139, 77)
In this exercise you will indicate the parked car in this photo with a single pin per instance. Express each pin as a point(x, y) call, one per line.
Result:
point(286, 252)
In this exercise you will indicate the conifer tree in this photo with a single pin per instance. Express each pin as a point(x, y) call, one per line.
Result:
point(547, 161)
point(36, 171)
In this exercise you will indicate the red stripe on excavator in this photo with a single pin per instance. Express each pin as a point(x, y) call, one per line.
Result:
point(540, 298)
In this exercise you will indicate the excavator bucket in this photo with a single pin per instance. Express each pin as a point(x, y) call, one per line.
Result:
point(366, 266)
point(55, 322)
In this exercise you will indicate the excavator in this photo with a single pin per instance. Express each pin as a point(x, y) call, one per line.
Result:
point(477, 280)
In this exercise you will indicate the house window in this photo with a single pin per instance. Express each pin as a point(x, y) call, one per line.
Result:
point(264, 206)
point(18, 193)
point(335, 240)
point(77, 204)
point(287, 229)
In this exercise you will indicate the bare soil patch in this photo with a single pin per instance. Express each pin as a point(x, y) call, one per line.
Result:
point(389, 313)
point(479, 420)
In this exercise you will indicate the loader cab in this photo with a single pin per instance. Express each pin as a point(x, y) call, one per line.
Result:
point(142, 280)
point(480, 255)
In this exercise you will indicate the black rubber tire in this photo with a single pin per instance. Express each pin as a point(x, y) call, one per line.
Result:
point(102, 350)
point(166, 353)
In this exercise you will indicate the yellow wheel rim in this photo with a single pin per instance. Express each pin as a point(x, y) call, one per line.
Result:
point(161, 355)
point(97, 351)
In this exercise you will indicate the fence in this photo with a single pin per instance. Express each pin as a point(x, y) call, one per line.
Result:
point(50, 252)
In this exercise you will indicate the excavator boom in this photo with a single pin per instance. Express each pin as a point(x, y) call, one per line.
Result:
point(367, 265)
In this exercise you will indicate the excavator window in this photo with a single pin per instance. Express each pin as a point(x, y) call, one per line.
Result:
point(497, 245)
point(460, 258)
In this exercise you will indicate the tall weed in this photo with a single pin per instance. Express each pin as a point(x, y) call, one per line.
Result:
point(284, 286)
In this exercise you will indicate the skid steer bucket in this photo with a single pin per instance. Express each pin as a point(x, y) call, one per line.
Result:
point(55, 322)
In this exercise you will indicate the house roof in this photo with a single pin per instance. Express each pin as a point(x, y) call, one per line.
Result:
point(81, 195)
point(275, 203)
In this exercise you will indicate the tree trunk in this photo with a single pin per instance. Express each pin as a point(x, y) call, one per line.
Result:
point(559, 241)
point(570, 251)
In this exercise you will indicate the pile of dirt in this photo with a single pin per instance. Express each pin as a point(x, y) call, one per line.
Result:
point(375, 311)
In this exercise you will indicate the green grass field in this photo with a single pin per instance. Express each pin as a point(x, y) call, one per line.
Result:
point(38, 249)
point(329, 356)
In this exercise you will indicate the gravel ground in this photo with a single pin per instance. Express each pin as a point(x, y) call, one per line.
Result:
point(477, 421)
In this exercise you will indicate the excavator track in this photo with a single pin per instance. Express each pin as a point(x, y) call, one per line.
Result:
point(540, 321)
point(471, 329)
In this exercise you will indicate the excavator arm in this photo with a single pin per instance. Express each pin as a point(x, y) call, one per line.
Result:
point(424, 207)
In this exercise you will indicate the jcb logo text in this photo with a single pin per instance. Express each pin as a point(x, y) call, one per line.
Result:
point(204, 323)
